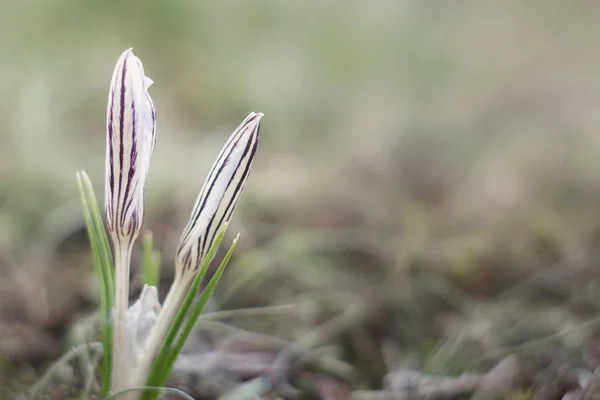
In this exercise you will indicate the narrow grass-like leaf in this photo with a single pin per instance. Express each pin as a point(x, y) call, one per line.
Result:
point(150, 262)
point(102, 276)
point(166, 347)
point(190, 323)
point(103, 266)
point(98, 224)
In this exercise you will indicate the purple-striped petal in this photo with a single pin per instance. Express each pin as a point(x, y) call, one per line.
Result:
point(219, 195)
point(131, 131)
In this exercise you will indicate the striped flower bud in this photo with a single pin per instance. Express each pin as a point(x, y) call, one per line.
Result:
point(131, 128)
point(218, 197)
point(214, 207)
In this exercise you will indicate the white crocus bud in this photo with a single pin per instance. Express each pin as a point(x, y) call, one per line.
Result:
point(219, 195)
point(131, 134)
point(131, 129)
point(212, 211)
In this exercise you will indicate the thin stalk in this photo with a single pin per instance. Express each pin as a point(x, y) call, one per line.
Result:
point(122, 265)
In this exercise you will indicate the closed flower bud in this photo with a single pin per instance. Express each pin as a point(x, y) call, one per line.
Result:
point(212, 211)
point(131, 128)
point(131, 131)
point(219, 195)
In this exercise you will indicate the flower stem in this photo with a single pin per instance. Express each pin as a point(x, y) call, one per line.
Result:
point(119, 359)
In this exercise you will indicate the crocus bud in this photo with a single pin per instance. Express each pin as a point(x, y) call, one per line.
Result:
point(218, 197)
point(131, 128)
point(213, 209)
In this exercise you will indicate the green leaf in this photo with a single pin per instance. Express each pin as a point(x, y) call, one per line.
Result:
point(159, 372)
point(103, 265)
point(150, 262)
point(195, 313)
point(100, 231)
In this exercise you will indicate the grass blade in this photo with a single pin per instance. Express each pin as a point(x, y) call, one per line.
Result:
point(163, 355)
point(99, 228)
point(150, 262)
point(190, 323)
point(103, 266)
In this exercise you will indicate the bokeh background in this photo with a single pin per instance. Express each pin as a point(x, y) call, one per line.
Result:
point(426, 193)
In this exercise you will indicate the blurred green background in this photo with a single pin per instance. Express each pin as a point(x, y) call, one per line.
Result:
point(457, 138)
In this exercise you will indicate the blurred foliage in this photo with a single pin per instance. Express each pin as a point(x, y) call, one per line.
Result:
point(399, 138)
point(495, 99)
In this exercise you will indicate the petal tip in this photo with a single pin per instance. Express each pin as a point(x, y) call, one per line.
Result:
point(148, 82)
